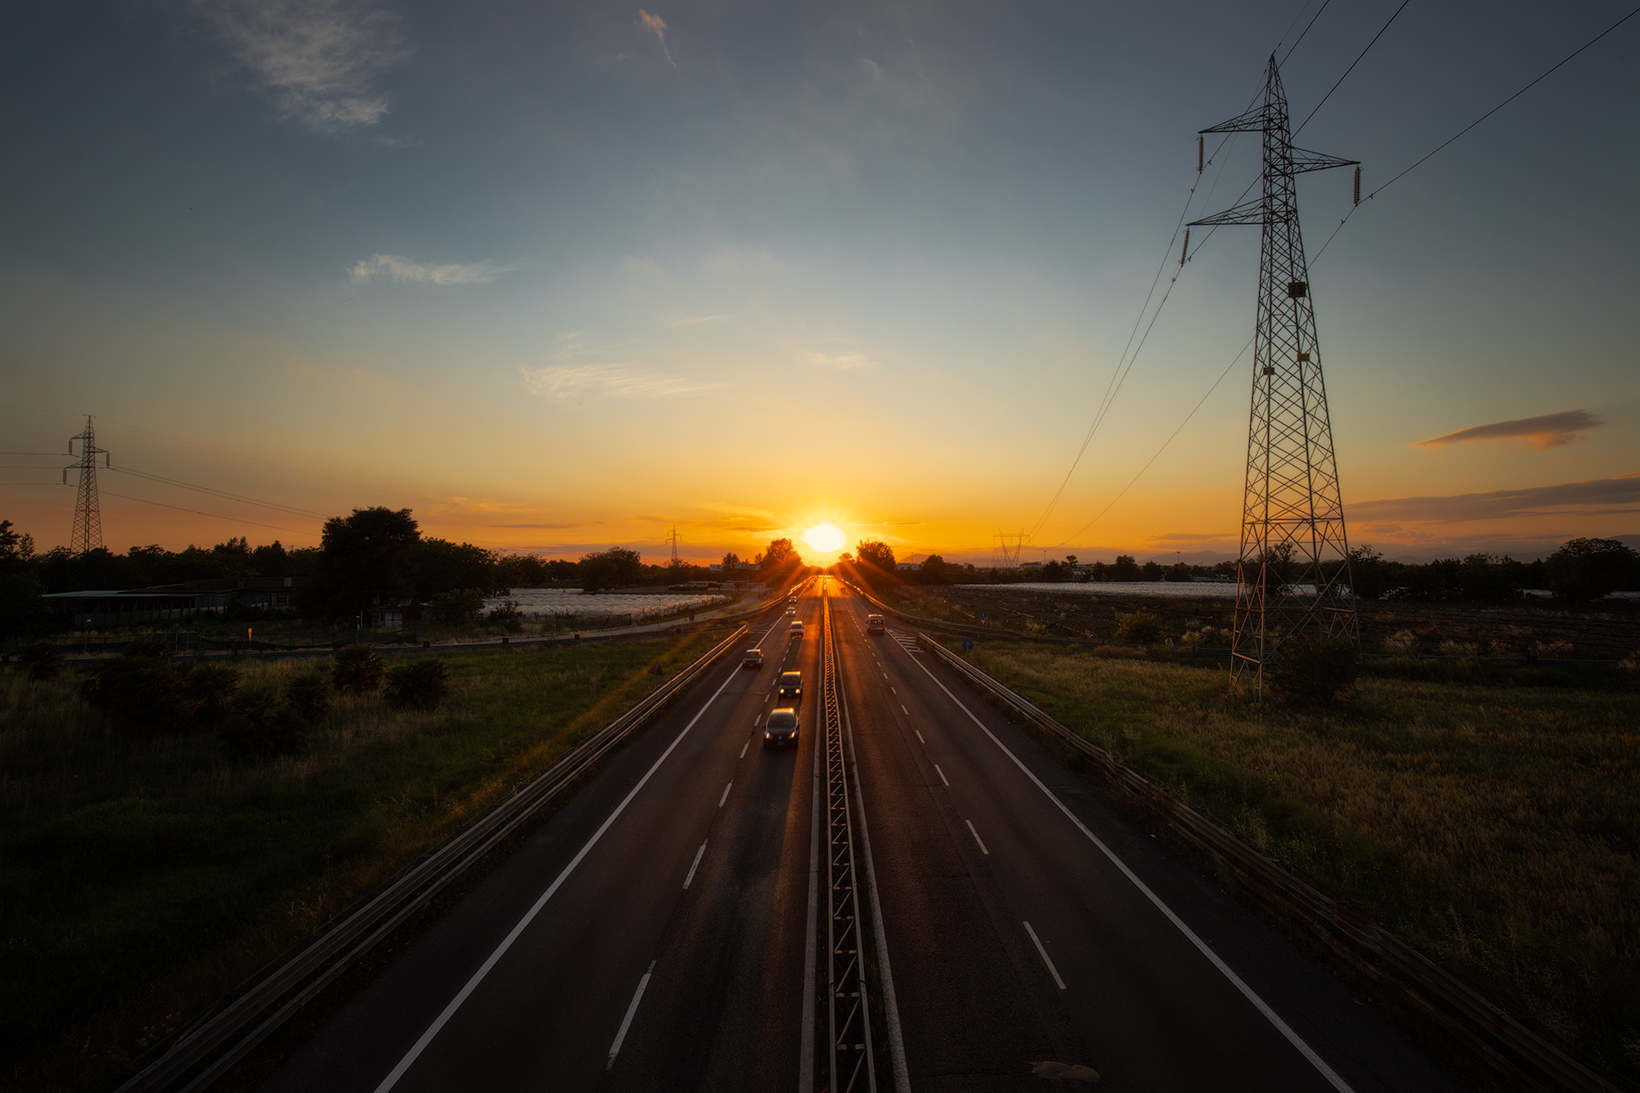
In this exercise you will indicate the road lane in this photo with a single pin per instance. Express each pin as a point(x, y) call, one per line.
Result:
point(995, 898)
point(720, 961)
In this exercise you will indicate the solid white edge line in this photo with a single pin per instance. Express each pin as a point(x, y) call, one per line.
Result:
point(941, 773)
point(1043, 953)
point(631, 1011)
point(698, 855)
point(805, 1055)
point(891, 1005)
point(726, 790)
point(977, 839)
point(1251, 995)
point(439, 1022)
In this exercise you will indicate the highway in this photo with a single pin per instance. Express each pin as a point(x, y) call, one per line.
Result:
point(656, 932)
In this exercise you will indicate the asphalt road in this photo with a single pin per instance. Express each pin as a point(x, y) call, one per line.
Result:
point(494, 997)
point(653, 933)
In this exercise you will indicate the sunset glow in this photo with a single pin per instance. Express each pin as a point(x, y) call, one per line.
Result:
point(825, 537)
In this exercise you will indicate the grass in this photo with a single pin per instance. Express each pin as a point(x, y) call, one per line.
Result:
point(140, 877)
point(1497, 828)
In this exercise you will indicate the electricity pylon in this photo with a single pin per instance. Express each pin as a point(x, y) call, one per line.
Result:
point(672, 537)
point(87, 533)
point(1293, 574)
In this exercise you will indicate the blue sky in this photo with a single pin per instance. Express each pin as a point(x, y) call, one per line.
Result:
point(560, 276)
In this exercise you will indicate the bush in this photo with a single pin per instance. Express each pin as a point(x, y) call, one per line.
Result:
point(308, 696)
point(457, 606)
point(210, 689)
point(420, 685)
point(142, 689)
point(1310, 670)
point(358, 669)
point(260, 726)
point(1141, 628)
point(507, 616)
point(43, 661)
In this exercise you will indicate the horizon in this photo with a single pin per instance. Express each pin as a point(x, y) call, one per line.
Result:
point(564, 280)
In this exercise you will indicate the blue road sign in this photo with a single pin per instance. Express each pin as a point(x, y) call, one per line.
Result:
point(967, 645)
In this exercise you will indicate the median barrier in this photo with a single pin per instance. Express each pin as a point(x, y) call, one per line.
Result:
point(1519, 1056)
point(217, 1038)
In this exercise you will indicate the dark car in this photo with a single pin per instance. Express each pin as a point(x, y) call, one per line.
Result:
point(791, 686)
point(781, 727)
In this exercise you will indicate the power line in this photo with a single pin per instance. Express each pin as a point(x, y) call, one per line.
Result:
point(1350, 69)
point(196, 512)
point(1311, 23)
point(245, 500)
point(1472, 125)
point(1160, 450)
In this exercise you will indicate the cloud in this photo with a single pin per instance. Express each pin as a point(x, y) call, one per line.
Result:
point(320, 58)
point(1191, 537)
point(692, 320)
point(400, 268)
point(843, 361)
point(611, 380)
point(554, 526)
point(1598, 497)
point(658, 25)
point(1544, 431)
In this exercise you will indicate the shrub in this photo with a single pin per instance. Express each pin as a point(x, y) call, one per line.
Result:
point(1311, 670)
point(43, 660)
point(358, 669)
point(419, 685)
point(142, 689)
point(1141, 628)
point(260, 726)
point(308, 696)
point(508, 617)
point(210, 689)
point(457, 606)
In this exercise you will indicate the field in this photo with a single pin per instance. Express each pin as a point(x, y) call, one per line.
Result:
point(142, 876)
point(1607, 630)
point(1497, 828)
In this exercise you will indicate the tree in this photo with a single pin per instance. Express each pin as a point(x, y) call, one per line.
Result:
point(22, 612)
point(443, 566)
point(731, 561)
point(365, 559)
point(875, 553)
point(616, 567)
point(781, 555)
point(1586, 569)
point(1125, 569)
point(1369, 571)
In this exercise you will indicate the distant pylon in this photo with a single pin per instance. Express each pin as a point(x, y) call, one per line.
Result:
point(87, 533)
point(1293, 574)
point(673, 539)
point(1006, 548)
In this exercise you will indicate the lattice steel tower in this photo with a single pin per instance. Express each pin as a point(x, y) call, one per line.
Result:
point(87, 533)
point(1293, 574)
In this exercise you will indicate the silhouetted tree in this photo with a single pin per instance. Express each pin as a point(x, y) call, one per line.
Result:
point(616, 567)
point(365, 559)
point(1586, 569)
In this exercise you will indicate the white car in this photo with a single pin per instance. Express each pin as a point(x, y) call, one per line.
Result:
point(796, 629)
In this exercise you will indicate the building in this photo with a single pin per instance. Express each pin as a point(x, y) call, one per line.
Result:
point(166, 602)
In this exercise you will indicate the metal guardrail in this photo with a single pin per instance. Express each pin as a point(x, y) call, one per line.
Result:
point(1516, 1053)
point(224, 1033)
point(848, 1023)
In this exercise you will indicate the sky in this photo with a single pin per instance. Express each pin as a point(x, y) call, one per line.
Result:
point(560, 277)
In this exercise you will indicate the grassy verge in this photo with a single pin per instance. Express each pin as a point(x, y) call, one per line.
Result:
point(140, 877)
point(1496, 828)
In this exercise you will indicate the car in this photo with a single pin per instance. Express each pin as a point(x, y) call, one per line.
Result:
point(781, 727)
point(791, 686)
point(796, 629)
point(752, 658)
point(874, 624)
point(791, 610)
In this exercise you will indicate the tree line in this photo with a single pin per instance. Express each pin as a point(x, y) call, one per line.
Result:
point(374, 556)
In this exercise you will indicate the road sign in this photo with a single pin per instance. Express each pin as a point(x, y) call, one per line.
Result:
point(967, 645)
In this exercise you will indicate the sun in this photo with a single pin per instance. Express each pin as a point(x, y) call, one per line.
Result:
point(825, 537)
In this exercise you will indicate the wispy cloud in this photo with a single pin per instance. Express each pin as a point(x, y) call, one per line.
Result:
point(658, 25)
point(321, 58)
point(400, 268)
point(692, 320)
point(607, 380)
point(1544, 431)
point(840, 360)
point(1598, 497)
